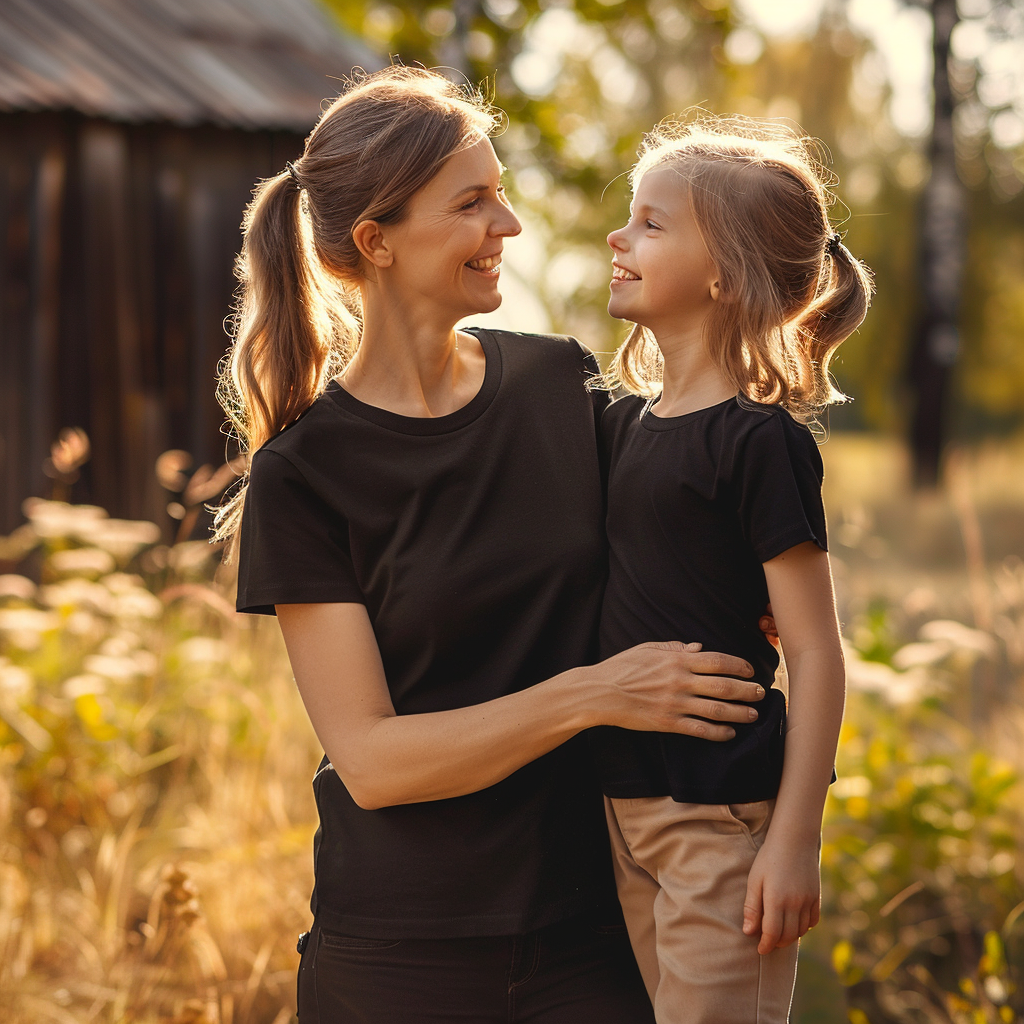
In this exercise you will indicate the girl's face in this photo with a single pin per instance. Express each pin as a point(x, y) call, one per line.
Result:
point(446, 250)
point(662, 275)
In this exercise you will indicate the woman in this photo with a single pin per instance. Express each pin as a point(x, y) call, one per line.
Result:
point(428, 528)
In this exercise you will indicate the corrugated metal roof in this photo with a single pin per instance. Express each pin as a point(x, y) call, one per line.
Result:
point(240, 63)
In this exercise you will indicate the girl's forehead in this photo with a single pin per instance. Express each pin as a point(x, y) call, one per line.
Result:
point(664, 180)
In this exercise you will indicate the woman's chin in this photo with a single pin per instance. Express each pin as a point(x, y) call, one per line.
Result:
point(489, 304)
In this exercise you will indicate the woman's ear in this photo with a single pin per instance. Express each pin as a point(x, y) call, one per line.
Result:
point(715, 290)
point(371, 243)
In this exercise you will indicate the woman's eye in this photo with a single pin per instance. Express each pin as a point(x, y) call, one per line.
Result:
point(472, 204)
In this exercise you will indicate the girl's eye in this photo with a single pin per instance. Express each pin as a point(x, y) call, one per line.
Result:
point(651, 224)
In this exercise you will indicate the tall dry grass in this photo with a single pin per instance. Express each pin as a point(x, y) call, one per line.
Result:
point(155, 760)
point(154, 786)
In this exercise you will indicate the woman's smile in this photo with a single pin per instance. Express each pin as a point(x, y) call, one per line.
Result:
point(488, 265)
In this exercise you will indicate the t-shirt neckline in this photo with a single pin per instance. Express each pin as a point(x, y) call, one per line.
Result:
point(424, 425)
point(650, 421)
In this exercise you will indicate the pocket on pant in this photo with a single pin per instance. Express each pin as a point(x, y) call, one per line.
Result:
point(336, 940)
point(754, 818)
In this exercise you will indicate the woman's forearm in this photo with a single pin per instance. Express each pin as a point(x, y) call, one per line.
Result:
point(385, 758)
point(413, 758)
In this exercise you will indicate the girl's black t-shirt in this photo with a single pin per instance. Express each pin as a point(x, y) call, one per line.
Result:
point(475, 542)
point(696, 504)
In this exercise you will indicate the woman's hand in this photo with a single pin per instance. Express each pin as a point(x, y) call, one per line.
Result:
point(674, 687)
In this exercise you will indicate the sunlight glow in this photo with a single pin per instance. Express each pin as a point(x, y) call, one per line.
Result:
point(792, 18)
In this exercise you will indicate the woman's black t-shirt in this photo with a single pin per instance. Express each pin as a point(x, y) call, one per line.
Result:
point(475, 541)
point(696, 505)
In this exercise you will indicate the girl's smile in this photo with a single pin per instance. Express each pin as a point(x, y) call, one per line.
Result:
point(620, 275)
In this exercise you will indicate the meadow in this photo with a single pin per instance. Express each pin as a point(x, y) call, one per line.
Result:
point(156, 815)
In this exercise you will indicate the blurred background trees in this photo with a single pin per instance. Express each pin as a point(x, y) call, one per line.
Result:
point(931, 185)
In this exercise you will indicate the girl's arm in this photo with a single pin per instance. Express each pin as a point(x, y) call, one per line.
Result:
point(784, 888)
point(386, 759)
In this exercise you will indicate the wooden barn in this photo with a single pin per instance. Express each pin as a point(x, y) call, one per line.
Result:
point(131, 134)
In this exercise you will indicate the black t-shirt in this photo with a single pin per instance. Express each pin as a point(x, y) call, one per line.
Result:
point(696, 504)
point(475, 541)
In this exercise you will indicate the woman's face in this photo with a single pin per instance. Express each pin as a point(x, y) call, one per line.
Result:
point(447, 248)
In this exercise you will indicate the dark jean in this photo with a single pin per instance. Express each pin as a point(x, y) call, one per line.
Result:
point(573, 972)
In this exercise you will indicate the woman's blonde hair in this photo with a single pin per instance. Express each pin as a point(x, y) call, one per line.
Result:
point(297, 315)
point(790, 291)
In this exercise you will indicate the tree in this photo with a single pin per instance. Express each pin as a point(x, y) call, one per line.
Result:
point(581, 80)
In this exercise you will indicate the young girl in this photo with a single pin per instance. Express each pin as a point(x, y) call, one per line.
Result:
point(739, 291)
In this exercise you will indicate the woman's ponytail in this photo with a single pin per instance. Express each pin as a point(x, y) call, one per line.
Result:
point(290, 337)
point(297, 316)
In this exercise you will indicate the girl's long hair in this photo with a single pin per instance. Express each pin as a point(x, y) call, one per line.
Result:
point(297, 314)
point(790, 291)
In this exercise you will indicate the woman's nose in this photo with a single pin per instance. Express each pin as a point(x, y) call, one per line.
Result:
point(507, 225)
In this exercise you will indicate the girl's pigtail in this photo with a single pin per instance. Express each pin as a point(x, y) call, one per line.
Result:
point(836, 312)
point(290, 337)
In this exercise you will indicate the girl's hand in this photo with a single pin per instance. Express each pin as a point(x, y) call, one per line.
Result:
point(783, 899)
point(767, 626)
point(673, 687)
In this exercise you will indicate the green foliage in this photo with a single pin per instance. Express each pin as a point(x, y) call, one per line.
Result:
point(919, 862)
point(581, 80)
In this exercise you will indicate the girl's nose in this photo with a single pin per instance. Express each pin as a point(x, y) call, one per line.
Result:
point(617, 240)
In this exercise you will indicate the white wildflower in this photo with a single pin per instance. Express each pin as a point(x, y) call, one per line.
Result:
point(79, 686)
point(123, 538)
point(202, 650)
point(52, 519)
point(82, 562)
point(67, 595)
point(12, 585)
point(118, 669)
point(960, 637)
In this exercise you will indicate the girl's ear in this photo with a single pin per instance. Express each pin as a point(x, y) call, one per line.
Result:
point(370, 241)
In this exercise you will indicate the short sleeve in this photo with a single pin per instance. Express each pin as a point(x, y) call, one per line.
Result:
point(779, 487)
point(293, 548)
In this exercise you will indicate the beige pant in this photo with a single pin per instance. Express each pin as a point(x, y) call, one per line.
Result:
point(681, 871)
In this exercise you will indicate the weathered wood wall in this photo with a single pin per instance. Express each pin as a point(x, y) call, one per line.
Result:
point(116, 250)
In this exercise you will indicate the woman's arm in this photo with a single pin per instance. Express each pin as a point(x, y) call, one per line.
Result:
point(784, 889)
point(386, 759)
